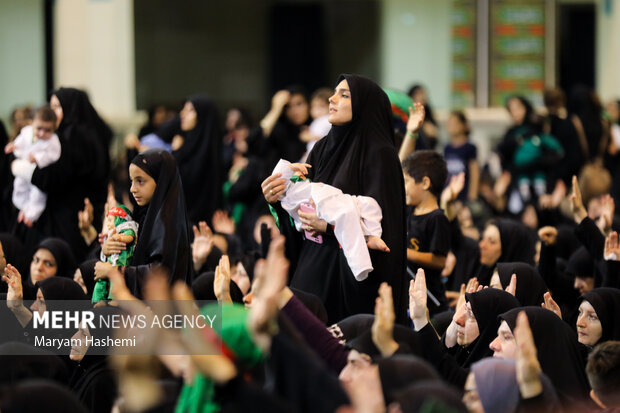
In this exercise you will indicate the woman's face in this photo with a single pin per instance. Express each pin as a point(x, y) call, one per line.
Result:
point(79, 348)
point(466, 325)
point(517, 111)
point(297, 110)
point(357, 363)
point(589, 327)
point(504, 346)
point(42, 266)
point(57, 108)
point(490, 246)
point(142, 185)
point(189, 117)
point(471, 398)
point(340, 106)
point(39, 304)
point(77, 277)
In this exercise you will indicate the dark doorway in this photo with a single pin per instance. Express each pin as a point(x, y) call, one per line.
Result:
point(297, 46)
point(577, 31)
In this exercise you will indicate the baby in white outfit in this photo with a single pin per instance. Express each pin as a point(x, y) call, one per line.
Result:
point(356, 219)
point(37, 144)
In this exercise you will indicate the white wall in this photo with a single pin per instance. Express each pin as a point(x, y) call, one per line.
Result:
point(22, 55)
point(94, 51)
point(608, 51)
point(416, 47)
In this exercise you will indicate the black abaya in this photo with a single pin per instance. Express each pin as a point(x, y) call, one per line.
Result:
point(199, 160)
point(81, 171)
point(360, 159)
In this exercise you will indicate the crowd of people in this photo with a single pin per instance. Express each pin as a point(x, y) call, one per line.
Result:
point(357, 266)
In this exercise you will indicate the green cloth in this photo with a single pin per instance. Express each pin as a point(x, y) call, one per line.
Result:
point(198, 397)
point(533, 147)
point(400, 103)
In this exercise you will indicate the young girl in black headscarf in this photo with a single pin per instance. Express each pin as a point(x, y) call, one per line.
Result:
point(198, 159)
point(81, 171)
point(359, 157)
point(163, 229)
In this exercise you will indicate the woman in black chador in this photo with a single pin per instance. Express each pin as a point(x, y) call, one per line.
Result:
point(359, 157)
point(199, 158)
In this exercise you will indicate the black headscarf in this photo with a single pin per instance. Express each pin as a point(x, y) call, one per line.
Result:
point(61, 289)
point(15, 254)
point(87, 269)
point(518, 245)
point(169, 129)
point(352, 326)
point(36, 396)
point(163, 233)
point(486, 305)
point(531, 288)
point(77, 110)
point(284, 142)
point(398, 372)
point(430, 396)
point(606, 303)
point(65, 261)
point(202, 287)
point(312, 303)
point(21, 361)
point(580, 264)
point(558, 352)
point(348, 158)
point(199, 162)
point(518, 241)
point(407, 339)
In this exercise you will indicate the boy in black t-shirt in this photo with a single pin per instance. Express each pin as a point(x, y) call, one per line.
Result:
point(428, 230)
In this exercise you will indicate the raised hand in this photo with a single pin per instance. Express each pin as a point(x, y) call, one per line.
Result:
point(551, 305)
point(416, 117)
point(512, 287)
point(202, 245)
point(579, 211)
point(221, 282)
point(612, 247)
point(222, 223)
point(548, 235)
point(528, 366)
point(608, 207)
point(266, 291)
point(383, 325)
point(454, 187)
point(417, 300)
point(13, 278)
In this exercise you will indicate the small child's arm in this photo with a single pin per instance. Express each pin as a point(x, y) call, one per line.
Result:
point(426, 259)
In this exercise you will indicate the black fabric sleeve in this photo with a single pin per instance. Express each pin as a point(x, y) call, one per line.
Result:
point(445, 363)
point(591, 237)
point(560, 284)
point(612, 275)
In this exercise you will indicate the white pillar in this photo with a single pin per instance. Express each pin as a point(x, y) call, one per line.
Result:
point(94, 51)
point(608, 50)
